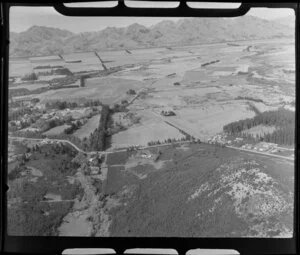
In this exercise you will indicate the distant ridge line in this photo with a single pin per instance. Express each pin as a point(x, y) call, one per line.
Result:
point(44, 41)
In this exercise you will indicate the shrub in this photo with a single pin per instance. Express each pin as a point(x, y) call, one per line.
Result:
point(53, 123)
point(62, 71)
point(131, 92)
point(35, 100)
point(74, 126)
point(15, 173)
point(30, 77)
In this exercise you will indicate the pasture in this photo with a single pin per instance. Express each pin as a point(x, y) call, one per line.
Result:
point(144, 133)
point(57, 130)
point(107, 90)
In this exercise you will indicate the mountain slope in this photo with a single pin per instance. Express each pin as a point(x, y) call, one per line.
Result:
point(38, 41)
point(287, 21)
point(46, 41)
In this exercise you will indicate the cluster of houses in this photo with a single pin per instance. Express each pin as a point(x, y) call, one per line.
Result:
point(222, 139)
point(24, 121)
point(76, 113)
point(262, 147)
point(95, 162)
point(147, 154)
point(78, 116)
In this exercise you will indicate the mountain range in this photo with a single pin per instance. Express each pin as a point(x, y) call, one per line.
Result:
point(40, 40)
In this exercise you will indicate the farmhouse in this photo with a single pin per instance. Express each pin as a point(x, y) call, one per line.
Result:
point(147, 154)
point(95, 170)
point(167, 113)
point(264, 146)
point(144, 154)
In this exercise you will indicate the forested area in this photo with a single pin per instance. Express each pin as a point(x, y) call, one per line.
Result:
point(285, 135)
point(282, 119)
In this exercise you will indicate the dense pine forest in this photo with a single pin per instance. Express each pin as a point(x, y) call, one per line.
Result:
point(282, 119)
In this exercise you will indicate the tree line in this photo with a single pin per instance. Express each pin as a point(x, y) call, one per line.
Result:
point(258, 100)
point(282, 119)
point(61, 105)
point(97, 139)
point(172, 140)
point(100, 139)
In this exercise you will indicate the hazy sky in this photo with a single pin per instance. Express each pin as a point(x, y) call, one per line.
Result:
point(21, 18)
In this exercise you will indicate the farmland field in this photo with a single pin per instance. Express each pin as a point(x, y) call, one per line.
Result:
point(57, 130)
point(108, 90)
point(30, 86)
point(89, 127)
point(144, 133)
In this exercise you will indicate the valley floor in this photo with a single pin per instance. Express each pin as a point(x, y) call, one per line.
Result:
point(166, 166)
